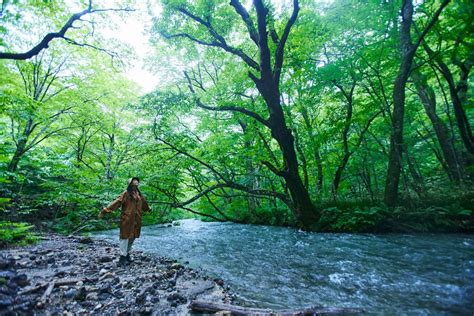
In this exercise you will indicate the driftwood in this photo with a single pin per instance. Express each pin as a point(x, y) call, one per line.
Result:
point(47, 292)
point(227, 309)
point(54, 283)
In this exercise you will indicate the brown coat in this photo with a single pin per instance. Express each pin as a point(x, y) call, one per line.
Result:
point(131, 218)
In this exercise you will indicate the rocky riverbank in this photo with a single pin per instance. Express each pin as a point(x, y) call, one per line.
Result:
point(78, 275)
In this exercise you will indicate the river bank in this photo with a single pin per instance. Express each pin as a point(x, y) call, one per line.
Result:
point(74, 275)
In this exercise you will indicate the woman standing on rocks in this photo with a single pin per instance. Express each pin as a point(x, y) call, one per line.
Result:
point(133, 203)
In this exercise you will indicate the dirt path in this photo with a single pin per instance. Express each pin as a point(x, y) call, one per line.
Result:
point(79, 275)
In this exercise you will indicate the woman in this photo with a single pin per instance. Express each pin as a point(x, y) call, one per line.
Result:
point(132, 203)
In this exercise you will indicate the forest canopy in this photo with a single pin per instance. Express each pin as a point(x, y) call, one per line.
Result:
point(341, 115)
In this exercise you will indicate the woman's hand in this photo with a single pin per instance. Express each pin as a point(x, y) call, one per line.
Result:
point(102, 213)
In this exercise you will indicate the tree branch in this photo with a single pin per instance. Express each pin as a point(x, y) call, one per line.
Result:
point(220, 41)
point(44, 43)
point(281, 45)
point(265, 63)
point(225, 108)
point(246, 18)
point(432, 22)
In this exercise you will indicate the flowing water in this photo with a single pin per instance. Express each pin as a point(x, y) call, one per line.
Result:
point(277, 267)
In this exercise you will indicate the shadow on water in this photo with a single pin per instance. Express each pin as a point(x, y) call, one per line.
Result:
point(277, 267)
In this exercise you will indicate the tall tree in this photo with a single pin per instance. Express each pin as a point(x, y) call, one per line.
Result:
point(266, 75)
point(407, 53)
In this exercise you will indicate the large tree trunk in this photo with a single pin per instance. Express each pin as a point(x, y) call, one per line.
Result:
point(305, 211)
point(268, 85)
point(396, 138)
point(407, 54)
point(428, 99)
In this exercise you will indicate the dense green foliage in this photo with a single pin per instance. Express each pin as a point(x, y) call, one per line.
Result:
point(16, 234)
point(74, 128)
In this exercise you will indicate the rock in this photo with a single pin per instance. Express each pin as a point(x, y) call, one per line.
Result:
point(86, 240)
point(21, 280)
point(177, 266)
point(93, 296)
point(70, 293)
point(176, 297)
point(6, 290)
point(106, 288)
point(169, 273)
point(118, 294)
point(145, 310)
point(12, 285)
point(219, 282)
point(5, 301)
point(7, 274)
point(105, 259)
point(139, 299)
point(60, 274)
point(103, 271)
point(23, 264)
point(6, 263)
point(32, 257)
point(81, 294)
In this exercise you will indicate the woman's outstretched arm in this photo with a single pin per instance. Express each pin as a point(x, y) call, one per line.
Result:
point(115, 204)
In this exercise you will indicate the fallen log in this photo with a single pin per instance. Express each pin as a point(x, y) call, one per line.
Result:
point(202, 306)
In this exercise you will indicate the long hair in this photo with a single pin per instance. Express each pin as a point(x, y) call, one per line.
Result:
point(131, 188)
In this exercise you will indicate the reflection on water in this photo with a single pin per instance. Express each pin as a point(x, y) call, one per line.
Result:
point(278, 267)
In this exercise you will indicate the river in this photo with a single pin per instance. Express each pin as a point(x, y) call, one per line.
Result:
point(278, 267)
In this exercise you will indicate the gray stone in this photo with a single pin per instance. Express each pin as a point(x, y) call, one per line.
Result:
point(70, 293)
point(92, 296)
point(21, 280)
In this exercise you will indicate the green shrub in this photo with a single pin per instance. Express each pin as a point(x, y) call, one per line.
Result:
point(20, 233)
point(352, 219)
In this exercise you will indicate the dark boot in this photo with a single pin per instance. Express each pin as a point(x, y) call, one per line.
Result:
point(122, 261)
point(129, 259)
